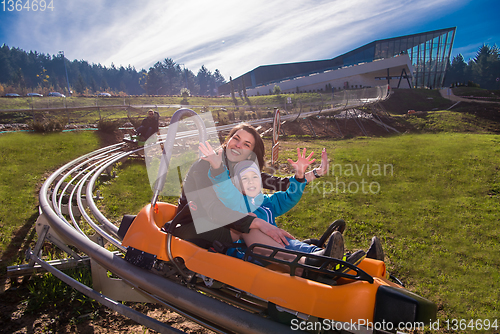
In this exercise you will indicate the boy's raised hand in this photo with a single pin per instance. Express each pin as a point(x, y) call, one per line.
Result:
point(215, 159)
point(302, 163)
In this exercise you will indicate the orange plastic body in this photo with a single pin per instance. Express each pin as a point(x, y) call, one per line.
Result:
point(348, 301)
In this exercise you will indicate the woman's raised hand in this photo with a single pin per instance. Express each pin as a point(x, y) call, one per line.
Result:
point(323, 168)
point(302, 162)
point(215, 159)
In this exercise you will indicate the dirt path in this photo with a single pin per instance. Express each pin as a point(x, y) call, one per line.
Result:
point(447, 93)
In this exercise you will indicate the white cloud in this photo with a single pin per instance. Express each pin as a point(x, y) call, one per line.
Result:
point(191, 32)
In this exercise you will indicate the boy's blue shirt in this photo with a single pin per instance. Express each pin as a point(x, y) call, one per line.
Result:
point(265, 207)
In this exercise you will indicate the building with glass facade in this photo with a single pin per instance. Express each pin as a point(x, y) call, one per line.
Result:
point(428, 52)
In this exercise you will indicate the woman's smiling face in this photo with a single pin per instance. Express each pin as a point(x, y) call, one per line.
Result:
point(240, 146)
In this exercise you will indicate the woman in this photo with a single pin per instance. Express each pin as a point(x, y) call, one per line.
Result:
point(212, 219)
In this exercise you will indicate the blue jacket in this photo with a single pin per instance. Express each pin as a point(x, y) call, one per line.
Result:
point(266, 207)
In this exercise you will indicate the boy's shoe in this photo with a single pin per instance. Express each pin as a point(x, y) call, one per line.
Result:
point(355, 258)
point(375, 251)
point(334, 249)
point(335, 246)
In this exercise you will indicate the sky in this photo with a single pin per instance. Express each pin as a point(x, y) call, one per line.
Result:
point(234, 36)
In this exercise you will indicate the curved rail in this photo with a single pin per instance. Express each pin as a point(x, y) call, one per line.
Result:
point(74, 182)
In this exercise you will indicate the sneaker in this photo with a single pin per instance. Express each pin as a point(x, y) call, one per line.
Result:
point(356, 257)
point(353, 259)
point(375, 251)
point(335, 246)
point(334, 249)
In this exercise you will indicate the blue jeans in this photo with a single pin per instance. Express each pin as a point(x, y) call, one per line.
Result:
point(300, 246)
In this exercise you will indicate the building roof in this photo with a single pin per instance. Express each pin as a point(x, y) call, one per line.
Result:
point(437, 44)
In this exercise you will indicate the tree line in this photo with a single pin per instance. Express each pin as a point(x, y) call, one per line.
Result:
point(23, 72)
point(481, 71)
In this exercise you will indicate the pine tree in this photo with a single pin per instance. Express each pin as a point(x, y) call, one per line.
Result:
point(485, 66)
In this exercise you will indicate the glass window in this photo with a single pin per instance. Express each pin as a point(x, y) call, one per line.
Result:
point(390, 49)
point(442, 55)
point(397, 48)
point(369, 53)
point(383, 49)
point(377, 51)
point(429, 54)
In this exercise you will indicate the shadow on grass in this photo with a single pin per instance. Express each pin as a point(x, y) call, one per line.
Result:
point(19, 243)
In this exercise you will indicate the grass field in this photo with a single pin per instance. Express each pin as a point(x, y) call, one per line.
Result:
point(24, 160)
point(436, 211)
point(433, 199)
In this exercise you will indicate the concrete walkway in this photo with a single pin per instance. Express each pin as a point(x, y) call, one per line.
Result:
point(447, 93)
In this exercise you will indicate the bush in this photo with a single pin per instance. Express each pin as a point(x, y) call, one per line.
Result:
point(44, 125)
point(471, 83)
point(108, 126)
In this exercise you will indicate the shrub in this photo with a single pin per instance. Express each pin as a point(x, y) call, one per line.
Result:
point(471, 83)
point(108, 126)
point(45, 125)
point(242, 115)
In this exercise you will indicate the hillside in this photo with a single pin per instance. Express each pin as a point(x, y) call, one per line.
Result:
point(472, 117)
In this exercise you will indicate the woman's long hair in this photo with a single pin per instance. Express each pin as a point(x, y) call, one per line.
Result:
point(259, 148)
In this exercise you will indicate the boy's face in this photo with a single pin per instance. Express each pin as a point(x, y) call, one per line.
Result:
point(251, 184)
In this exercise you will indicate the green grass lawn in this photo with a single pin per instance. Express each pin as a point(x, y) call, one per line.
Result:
point(436, 210)
point(24, 159)
point(449, 121)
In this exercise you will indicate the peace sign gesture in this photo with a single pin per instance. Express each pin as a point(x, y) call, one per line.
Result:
point(302, 163)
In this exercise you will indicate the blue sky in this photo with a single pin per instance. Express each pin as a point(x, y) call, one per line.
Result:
point(236, 36)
